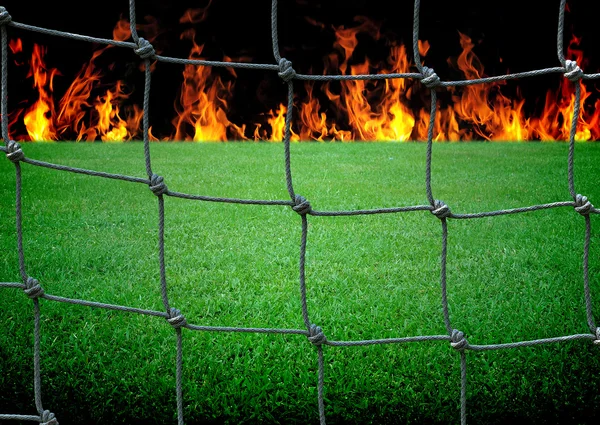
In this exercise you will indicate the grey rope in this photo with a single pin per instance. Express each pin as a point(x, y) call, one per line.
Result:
point(72, 36)
point(133, 22)
point(443, 259)
point(513, 210)
point(274, 31)
point(489, 347)
point(21, 417)
point(84, 171)
point(430, 147)
point(18, 222)
point(373, 211)
point(286, 140)
point(287, 73)
point(299, 204)
point(145, 118)
point(37, 379)
point(179, 378)
point(463, 387)
point(303, 274)
point(45, 418)
point(161, 252)
point(516, 76)
point(572, 134)
point(357, 77)
point(416, 27)
point(586, 275)
point(560, 37)
point(5, 19)
point(11, 285)
point(321, 381)
point(145, 50)
point(200, 62)
point(228, 200)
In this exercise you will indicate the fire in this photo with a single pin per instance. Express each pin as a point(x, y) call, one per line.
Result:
point(15, 46)
point(277, 123)
point(382, 110)
point(390, 120)
point(492, 115)
point(111, 127)
point(43, 122)
point(75, 103)
point(202, 103)
point(38, 118)
point(554, 122)
point(387, 118)
point(204, 95)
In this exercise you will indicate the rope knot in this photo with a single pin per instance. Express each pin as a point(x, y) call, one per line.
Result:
point(157, 185)
point(5, 17)
point(458, 340)
point(430, 78)
point(440, 209)
point(144, 49)
point(572, 71)
point(33, 288)
point(14, 152)
point(176, 319)
point(286, 72)
point(316, 335)
point(582, 205)
point(597, 340)
point(48, 418)
point(302, 206)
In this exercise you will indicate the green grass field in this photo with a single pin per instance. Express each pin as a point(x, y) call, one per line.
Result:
point(510, 278)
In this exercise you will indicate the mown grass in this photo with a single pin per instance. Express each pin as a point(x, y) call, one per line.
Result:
point(510, 278)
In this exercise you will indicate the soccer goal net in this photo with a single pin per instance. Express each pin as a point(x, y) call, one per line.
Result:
point(315, 333)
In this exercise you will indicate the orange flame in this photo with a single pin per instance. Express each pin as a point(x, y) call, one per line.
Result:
point(389, 118)
point(554, 122)
point(74, 103)
point(381, 110)
point(277, 122)
point(105, 122)
point(195, 16)
point(111, 127)
point(491, 115)
point(15, 46)
point(39, 117)
point(203, 102)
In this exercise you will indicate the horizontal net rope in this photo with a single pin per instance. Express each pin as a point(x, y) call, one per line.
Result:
point(314, 333)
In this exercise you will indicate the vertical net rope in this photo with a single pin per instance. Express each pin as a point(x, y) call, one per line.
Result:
point(313, 332)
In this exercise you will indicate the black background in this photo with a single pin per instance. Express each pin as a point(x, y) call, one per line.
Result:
point(511, 36)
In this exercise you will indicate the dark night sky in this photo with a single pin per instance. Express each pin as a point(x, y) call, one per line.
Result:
point(523, 39)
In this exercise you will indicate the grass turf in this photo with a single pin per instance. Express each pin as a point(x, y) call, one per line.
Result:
point(510, 278)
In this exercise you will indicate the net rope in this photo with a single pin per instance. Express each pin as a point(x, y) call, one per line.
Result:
point(314, 333)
